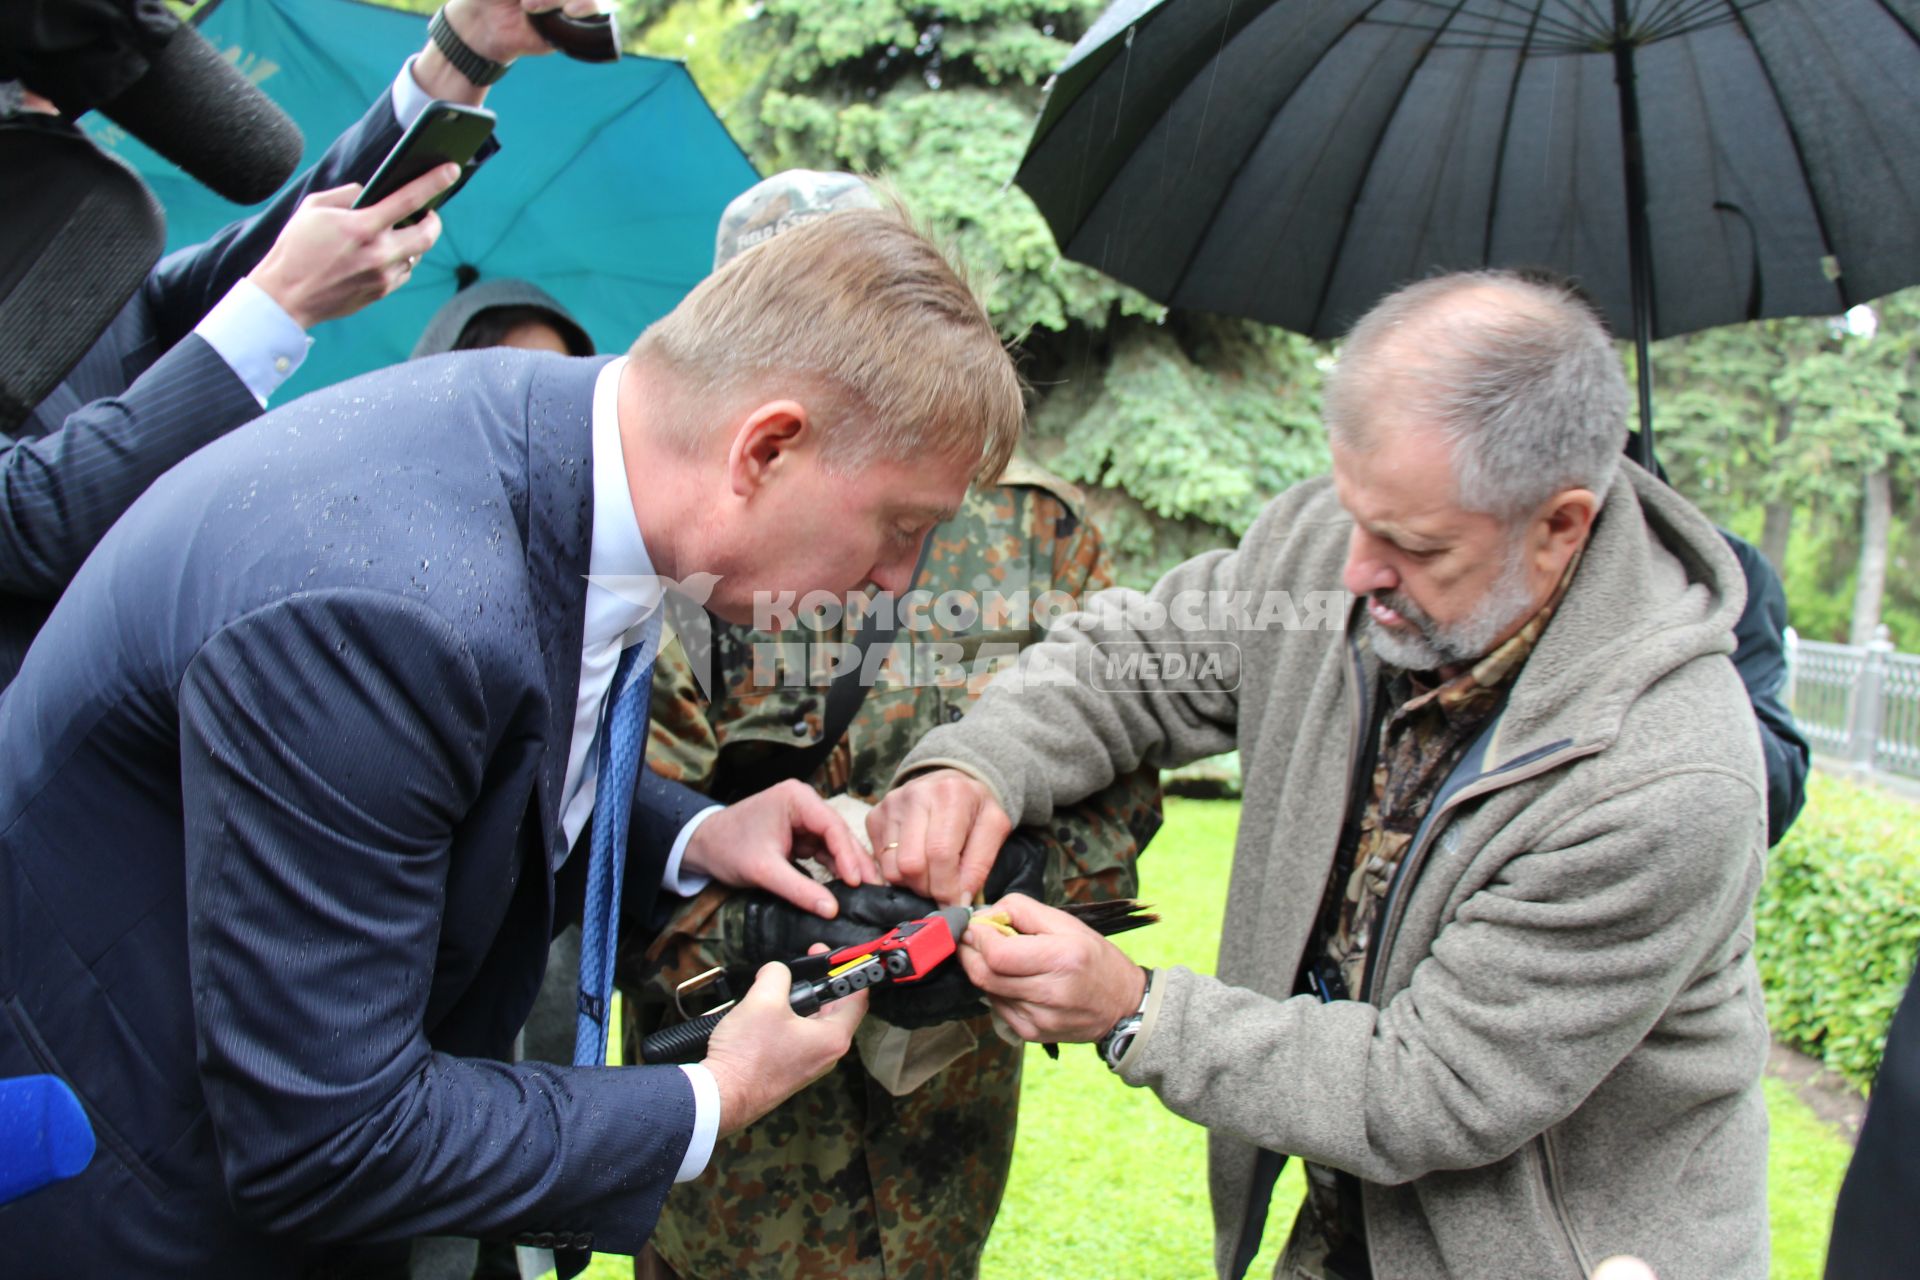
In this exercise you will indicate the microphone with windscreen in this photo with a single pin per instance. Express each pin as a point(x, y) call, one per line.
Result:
point(198, 111)
point(159, 80)
point(44, 1135)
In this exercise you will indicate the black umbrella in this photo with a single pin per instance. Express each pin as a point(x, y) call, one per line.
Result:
point(1689, 163)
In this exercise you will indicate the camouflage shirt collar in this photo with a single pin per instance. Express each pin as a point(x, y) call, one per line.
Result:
point(1500, 666)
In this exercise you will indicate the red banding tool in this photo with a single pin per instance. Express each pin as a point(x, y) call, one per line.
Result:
point(905, 953)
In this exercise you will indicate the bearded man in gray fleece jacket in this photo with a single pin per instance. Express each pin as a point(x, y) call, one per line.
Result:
point(1486, 960)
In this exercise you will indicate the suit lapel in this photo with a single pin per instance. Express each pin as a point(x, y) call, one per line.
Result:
point(559, 545)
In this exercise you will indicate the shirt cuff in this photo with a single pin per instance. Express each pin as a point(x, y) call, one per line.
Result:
point(693, 882)
point(409, 99)
point(706, 1123)
point(257, 338)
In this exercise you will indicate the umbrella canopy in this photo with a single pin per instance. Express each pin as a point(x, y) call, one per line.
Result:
point(606, 193)
point(1293, 161)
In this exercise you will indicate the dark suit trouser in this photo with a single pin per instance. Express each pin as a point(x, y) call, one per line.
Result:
point(1876, 1225)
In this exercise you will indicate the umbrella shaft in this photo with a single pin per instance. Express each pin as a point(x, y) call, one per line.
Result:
point(1639, 251)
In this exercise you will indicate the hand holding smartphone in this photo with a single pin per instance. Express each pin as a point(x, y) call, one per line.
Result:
point(328, 262)
point(445, 132)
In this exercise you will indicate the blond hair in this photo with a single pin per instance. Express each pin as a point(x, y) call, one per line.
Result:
point(882, 332)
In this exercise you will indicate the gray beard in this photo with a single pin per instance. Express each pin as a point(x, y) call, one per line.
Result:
point(1432, 645)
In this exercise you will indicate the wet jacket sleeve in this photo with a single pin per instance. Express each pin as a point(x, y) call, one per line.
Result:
point(64, 482)
point(315, 880)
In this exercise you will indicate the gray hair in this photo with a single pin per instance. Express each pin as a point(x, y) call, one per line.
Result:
point(1519, 375)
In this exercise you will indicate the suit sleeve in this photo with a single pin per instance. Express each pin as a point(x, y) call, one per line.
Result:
point(60, 492)
point(187, 283)
point(661, 807)
point(332, 745)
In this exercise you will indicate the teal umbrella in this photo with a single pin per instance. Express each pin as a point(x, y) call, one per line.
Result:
point(606, 193)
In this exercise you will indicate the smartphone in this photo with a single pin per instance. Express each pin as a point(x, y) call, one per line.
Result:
point(445, 131)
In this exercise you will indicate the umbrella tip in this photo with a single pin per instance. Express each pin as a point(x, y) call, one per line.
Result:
point(463, 275)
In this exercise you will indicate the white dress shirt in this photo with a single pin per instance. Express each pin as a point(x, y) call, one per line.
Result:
point(611, 622)
point(249, 330)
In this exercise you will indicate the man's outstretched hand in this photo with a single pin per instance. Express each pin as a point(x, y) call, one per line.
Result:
point(763, 1052)
point(753, 843)
point(938, 834)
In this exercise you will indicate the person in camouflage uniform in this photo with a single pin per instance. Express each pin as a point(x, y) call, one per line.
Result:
point(845, 1179)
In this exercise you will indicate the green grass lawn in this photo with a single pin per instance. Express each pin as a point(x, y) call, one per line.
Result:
point(1805, 1163)
point(1108, 1185)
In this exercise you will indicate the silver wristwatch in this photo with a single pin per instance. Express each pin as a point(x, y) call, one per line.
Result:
point(1114, 1045)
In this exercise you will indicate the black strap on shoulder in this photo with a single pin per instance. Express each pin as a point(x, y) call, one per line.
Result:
point(844, 697)
point(1266, 1172)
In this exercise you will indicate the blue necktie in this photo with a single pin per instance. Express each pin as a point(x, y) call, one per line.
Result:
point(623, 741)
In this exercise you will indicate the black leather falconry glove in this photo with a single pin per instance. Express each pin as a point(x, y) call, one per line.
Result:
point(757, 927)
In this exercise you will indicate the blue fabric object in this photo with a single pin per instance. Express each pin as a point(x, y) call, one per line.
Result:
point(606, 193)
point(44, 1135)
point(623, 738)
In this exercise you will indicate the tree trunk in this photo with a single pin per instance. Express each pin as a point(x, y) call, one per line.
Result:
point(1774, 534)
point(1876, 522)
point(1779, 521)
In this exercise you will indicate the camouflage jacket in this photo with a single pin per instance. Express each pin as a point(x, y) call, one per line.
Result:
point(846, 1180)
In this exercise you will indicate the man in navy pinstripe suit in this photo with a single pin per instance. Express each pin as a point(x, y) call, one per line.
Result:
point(304, 768)
point(215, 329)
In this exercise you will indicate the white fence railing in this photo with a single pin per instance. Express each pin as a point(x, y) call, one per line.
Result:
point(1861, 703)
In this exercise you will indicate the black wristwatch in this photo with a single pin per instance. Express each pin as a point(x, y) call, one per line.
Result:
point(1113, 1046)
point(482, 71)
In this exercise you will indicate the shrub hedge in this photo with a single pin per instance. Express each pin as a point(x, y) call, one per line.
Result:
point(1839, 923)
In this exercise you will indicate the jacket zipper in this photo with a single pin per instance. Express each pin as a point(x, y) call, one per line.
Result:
point(1390, 925)
point(1556, 1199)
point(1485, 784)
point(1362, 718)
